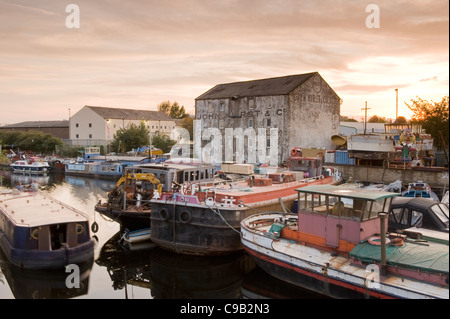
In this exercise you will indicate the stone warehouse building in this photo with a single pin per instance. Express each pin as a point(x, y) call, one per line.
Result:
point(95, 125)
point(303, 109)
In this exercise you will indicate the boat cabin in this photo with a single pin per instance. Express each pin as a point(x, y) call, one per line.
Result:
point(168, 174)
point(310, 166)
point(338, 218)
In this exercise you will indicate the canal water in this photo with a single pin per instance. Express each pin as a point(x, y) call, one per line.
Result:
point(145, 272)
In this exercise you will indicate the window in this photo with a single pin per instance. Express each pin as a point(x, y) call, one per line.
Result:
point(76, 125)
point(399, 216)
point(268, 142)
point(416, 219)
point(90, 124)
point(90, 135)
point(251, 104)
point(269, 122)
point(250, 123)
point(77, 136)
point(222, 106)
point(162, 178)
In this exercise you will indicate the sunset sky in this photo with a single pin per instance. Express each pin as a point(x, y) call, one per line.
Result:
point(136, 54)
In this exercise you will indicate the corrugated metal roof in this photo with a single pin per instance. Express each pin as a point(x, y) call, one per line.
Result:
point(39, 124)
point(129, 114)
point(265, 87)
point(339, 191)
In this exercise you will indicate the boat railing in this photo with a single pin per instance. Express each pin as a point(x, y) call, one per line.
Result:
point(67, 206)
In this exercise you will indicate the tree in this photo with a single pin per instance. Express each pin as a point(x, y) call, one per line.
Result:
point(163, 142)
point(34, 141)
point(401, 120)
point(377, 119)
point(125, 139)
point(174, 110)
point(188, 124)
point(433, 116)
point(343, 118)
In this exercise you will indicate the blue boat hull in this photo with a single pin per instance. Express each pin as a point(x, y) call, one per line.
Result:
point(44, 259)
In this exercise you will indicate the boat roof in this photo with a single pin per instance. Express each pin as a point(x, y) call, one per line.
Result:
point(167, 166)
point(418, 203)
point(336, 190)
point(35, 209)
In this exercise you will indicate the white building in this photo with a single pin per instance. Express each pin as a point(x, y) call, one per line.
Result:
point(94, 125)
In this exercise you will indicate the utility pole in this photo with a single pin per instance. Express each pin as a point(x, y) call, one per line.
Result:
point(365, 117)
point(396, 104)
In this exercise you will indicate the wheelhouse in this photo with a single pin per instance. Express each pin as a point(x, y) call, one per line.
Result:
point(339, 218)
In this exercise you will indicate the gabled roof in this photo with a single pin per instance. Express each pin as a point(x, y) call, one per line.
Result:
point(265, 87)
point(129, 114)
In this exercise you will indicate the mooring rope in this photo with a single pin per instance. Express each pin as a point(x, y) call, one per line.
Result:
point(224, 220)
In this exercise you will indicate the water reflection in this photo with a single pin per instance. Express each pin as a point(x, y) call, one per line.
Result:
point(259, 285)
point(126, 266)
point(32, 284)
point(176, 276)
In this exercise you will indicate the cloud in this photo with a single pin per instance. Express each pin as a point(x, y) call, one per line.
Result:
point(144, 52)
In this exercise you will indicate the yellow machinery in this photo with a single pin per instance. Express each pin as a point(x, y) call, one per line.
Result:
point(128, 178)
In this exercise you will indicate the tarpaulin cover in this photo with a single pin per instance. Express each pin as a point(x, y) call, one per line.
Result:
point(433, 258)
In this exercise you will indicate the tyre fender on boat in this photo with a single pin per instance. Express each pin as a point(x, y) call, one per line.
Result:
point(164, 214)
point(185, 216)
point(94, 227)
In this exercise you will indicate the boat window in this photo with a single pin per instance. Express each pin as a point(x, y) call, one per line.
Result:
point(378, 206)
point(399, 216)
point(162, 179)
point(202, 175)
point(416, 219)
point(186, 176)
point(441, 212)
point(197, 175)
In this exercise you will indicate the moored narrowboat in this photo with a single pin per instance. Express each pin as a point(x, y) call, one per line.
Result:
point(39, 232)
point(95, 169)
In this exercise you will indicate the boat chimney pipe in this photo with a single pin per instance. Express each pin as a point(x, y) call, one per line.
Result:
point(383, 242)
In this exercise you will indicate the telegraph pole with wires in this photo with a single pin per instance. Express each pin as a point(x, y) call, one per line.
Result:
point(365, 117)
